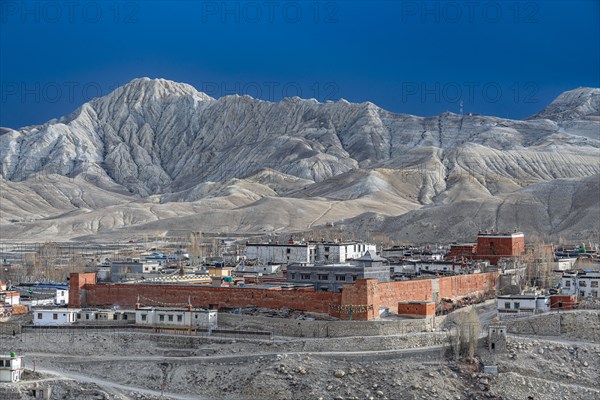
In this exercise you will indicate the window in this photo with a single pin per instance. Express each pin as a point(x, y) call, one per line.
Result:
point(594, 293)
point(161, 317)
point(87, 316)
point(54, 316)
point(507, 305)
point(326, 248)
point(594, 284)
point(305, 277)
point(143, 316)
point(288, 251)
point(170, 318)
point(125, 316)
point(79, 316)
point(340, 277)
point(582, 283)
point(567, 283)
point(582, 293)
point(517, 305)
point(114, 317)
point(322, 277)
point(39, 315)
point(179, 318)
point(293, 276)
point(2, 363)
point(354, 278)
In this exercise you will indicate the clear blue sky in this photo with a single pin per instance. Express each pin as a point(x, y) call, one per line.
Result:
point(505, 58)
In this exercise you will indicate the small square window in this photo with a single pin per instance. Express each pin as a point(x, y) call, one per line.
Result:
point(179, 318)
point(39, 316)
point(161, 317)
point(54, 316)
point(517, 305)
point(143, 316)
point(170, 318)
point(507, 305)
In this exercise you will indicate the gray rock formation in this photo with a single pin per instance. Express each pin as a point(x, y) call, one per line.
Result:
point(155, 154)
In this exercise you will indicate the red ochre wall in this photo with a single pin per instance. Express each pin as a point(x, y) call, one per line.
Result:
point(463, 285)
point(85, 293)
point(422, 309)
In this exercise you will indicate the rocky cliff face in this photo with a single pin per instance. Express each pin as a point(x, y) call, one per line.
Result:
point(163, 148)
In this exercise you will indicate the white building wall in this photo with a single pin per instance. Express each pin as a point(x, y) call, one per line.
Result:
point(587, 285)
point(62, 297)
point(179, 318)
point(54, 317)
point(12, 298)
point(10, 369)
point(342, 252)
point(508, 304)
point(280, 254)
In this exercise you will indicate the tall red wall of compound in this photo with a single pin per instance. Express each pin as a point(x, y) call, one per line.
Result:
point(202, 296)
point(463, 285)
point(390, 293)
point(76, 282)
point(364, 294)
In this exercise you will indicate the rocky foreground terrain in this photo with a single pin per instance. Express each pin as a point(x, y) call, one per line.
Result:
point(157, 156)
point(106, 365)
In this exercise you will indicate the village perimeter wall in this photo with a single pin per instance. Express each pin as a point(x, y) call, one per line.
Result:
point(581, 324)
point(360, 301)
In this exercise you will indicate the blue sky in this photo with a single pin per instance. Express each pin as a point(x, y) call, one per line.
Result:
point(505, 58)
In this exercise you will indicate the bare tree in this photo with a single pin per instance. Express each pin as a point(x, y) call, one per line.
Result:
point(464, 333)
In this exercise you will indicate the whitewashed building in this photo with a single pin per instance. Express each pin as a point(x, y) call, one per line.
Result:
point(61, 297)
point(176, 317)
point(11, 368)
point(586, 284)
point(564, 264)
point(55, 316)
point(276, 253)
point(523, 303)
point(337, 252)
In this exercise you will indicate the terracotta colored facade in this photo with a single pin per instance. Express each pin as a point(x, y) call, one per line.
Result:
point(563, 302)
point(360, 301)
point(494, 246)
point(458, 251)
point(421, 309)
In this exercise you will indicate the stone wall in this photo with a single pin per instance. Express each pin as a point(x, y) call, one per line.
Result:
point(582, 324)
point(322, 329)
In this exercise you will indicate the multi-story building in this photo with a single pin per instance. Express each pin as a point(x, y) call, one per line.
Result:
point(11, 368)
point(458, 251)
point(585, 284)
point(281, 253)
point(493, 246)
point(332, 277)
point(306, 252)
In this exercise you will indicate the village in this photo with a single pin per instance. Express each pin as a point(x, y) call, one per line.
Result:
point(438, 298)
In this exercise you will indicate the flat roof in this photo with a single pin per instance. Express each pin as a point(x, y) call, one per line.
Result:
point(501, 234)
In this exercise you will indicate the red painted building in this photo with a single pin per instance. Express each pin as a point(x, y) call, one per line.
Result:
point(493, 246)
point(458, 251)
